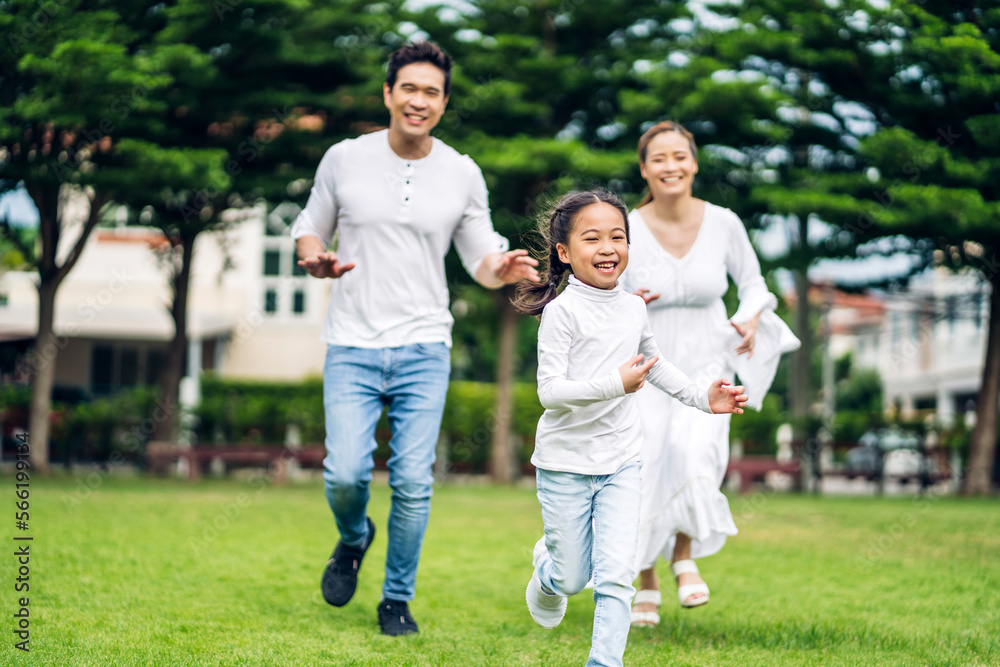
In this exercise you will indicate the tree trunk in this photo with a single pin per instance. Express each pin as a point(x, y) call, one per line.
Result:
point(800, 375)
point(982, 447)
point(503, 459)
point(43, 361)
point(173, 366)
point(800, 359)
point(47, 200)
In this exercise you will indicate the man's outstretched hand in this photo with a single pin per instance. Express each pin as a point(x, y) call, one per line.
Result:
point(724, 399)
point(515, 266)
point(325, 265)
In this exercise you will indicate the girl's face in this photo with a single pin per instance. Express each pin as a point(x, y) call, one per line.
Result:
point(596, 247)
point(670, 166)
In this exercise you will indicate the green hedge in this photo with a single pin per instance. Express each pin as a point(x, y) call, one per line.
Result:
point(850, 425)
point(92, 430)
point(256, 412)
point(758, 430)
point(260, 412)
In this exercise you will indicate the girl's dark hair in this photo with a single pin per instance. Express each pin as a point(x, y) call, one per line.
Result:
point(421, 52)
point(660, 128)
point(530, 298)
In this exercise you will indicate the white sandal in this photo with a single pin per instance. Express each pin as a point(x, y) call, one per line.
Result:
point(684, 592)
point(646, 619)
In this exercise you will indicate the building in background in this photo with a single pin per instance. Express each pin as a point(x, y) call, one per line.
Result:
point(927, 343)
point(252, 313)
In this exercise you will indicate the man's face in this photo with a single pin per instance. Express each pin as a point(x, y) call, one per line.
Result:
point(417, 101)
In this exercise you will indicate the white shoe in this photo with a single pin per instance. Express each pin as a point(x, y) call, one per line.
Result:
point(538, 552)
point(684, 592)
point(545, 609)
point(646, 619)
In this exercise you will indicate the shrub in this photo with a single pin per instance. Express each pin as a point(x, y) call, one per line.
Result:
point(242, 411)
point(758, 429)
point(259, 412)
point(95, 429)
point(850, 425)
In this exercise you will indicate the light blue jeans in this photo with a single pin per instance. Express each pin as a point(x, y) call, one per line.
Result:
point(357, 383)
point(591, 530)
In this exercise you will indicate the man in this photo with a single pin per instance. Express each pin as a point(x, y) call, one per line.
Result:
point(398, 199)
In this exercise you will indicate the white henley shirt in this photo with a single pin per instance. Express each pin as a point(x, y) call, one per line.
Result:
point(590, 426)
point(396, 220)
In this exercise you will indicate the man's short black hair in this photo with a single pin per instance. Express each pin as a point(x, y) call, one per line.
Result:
point(421, 52)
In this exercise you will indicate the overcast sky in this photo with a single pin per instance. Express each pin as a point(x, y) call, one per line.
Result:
point(17, 207)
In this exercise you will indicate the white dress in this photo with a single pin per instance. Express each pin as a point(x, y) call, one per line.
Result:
point(685, 452)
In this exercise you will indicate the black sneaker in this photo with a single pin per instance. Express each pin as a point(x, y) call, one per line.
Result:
point(340, 579)
point(394, 618)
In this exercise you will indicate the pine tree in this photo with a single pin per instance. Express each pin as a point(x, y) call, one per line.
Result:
point(534, 103)
point(915, 89)
point(73, 90)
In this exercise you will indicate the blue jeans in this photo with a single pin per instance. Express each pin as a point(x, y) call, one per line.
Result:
point(591, 530)
point(357, 383)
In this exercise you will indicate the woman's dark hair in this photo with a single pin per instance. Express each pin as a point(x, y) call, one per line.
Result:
point(421, 52)
point(660, 128)
point(530, 298)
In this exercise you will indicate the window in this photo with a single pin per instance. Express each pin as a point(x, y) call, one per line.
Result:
point(272, 263)
point(297, 271)
point(117, 366)
point(209, 348)
point(129, 367)
point(154, 366)
point(285, 282)
point(102, 369)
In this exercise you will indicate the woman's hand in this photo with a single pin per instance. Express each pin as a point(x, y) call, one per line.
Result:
point(634, 373)
point(643, 292)
point(748, 330)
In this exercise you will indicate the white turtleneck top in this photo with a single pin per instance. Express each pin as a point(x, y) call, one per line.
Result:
point(590, 426)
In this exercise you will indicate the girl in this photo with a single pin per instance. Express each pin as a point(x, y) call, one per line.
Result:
point(594, 351)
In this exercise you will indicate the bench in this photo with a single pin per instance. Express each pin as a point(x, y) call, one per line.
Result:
point(753, 469)
point(274, 457)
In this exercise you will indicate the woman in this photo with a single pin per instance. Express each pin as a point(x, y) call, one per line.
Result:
point(682, 250)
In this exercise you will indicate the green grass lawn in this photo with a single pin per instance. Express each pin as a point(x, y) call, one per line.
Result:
point(164, 572)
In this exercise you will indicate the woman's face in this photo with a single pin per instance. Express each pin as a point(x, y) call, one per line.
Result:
point(670, 166)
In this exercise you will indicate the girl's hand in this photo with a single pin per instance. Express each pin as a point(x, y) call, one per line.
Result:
point(325, 265)
point(724, 399)
point(634, 373)
point(643, 292)
point(748, 331)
